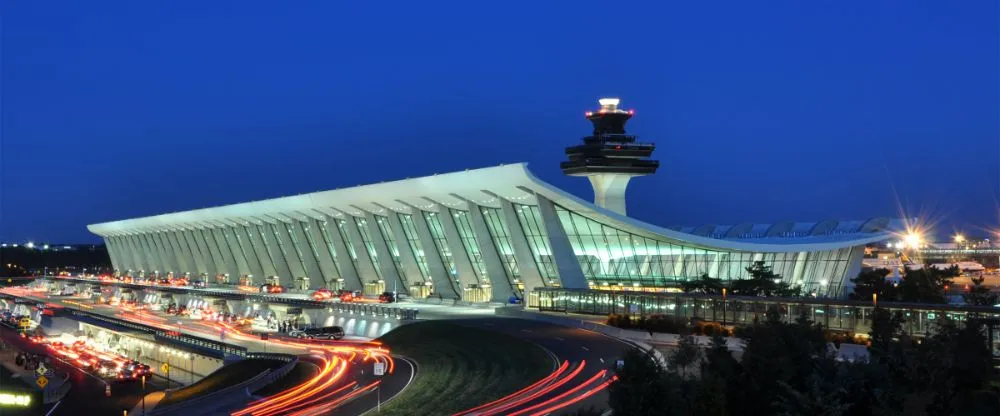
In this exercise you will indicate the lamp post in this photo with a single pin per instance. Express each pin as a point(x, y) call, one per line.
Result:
point(144, 395)
point(875, 300)
point(723, 308)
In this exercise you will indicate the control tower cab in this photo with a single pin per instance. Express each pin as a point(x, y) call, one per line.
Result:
point(610, 157)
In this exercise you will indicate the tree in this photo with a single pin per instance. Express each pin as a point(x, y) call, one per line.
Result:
point(687, 354)
point(926, 285)
point(980, 295)
point(642, 388)
point(703, 284)
point(763, 281)
point(872, 281)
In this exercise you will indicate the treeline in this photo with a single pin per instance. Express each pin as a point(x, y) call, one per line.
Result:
point(788, 369)
point(23, 261)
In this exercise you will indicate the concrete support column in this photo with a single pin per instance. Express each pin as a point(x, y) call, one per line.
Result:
point(199, 261)
point(186, 256)
point(150, 250)
point(204, 236)
point(269, 269)
point(166, 258)
point(466, 273)
point(609, 190)
point(172, 255)
point(406, 257)
point(350, 274)
point(499, 281)
point(310, 256)
point(125, 255)
point(140, 262)
point(109, 244)
point(389, 273)
point(255, 265)
point(327, 266)
point(295, 267)
point(229, 232)
point(366, 267)
point(207, 261)
point(565, 259)
point(530, 276)
point(227, 254)
point(444, 285)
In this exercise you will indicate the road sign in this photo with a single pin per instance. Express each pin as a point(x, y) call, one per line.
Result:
point(620, 364)
point(42, 381)
point(379, 369)
point(107, 390)
point(41, 370)
point(164, 368)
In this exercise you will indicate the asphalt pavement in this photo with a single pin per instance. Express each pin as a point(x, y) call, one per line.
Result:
point(599, 353)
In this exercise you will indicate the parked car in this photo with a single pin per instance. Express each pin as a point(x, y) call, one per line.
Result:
point(329, 332)
point(271, 288)
point(387, 297)
point(322, 294)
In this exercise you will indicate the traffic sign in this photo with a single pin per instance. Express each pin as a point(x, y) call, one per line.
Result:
point(42, 381)
point(164, 368)
point(620, 364)
point(379, 369)
point(41, 370)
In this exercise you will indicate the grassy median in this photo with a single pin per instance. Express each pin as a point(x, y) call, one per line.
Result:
point(459, 367)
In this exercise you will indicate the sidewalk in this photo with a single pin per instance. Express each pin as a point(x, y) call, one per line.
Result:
point(8, 354)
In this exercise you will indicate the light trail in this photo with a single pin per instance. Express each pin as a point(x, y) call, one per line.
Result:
point(562, 395)
point(545, 380)
point(521, 401)
point(578, 398)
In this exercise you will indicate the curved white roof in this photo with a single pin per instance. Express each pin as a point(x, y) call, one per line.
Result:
point(513, 182)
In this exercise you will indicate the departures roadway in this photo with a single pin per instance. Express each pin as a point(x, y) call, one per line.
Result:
point(345, 384)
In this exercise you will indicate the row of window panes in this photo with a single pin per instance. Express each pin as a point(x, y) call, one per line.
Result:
point(606, 253)
point(410, 230)
point(386, 230)
point(538, 241)
point(366, 238)
point(470, 243)
point(501, 240)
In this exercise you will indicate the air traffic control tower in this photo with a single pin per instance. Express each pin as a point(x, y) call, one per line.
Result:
point(610, 157)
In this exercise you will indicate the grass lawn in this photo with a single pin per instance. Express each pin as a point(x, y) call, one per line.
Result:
point(460, 367)
point(299, 374)
point(226, 376)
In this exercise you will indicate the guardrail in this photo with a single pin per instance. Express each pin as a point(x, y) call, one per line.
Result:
point(211, 347)
point(373, 309)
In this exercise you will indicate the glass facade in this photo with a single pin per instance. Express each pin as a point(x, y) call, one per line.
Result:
point(328, 241)
point(314, 247)
point(267, 247)
point(282, 249)
point(437, 233)
point(470, 243)
point(297, 247)
point(366, 238)
point(414, 242)
point(611, 256)
point(342, 229)
point(501, 239)
point(230, 238)
point(538, 242)
point(839, 315)
point(385, 229)
point(243, 251)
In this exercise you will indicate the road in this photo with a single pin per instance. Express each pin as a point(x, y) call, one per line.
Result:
point(347, 387)
point(86, 396)
point(587, 362)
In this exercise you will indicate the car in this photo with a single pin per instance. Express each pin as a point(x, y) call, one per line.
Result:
point(322, 294)
point(271, 288)
point(329, 332)
point(387, 297)
point(199, 284)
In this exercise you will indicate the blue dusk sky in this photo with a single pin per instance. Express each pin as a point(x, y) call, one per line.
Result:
point(762, 111)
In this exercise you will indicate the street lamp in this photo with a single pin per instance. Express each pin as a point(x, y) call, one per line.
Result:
point(723, 308)
point(875, 299)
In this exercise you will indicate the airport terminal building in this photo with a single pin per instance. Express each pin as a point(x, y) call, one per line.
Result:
point(483, 235)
